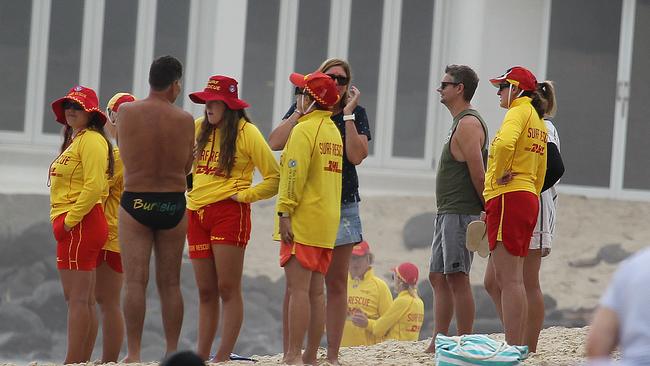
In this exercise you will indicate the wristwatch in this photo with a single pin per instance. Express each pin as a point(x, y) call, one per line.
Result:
point(348, 117)
point(283, 214)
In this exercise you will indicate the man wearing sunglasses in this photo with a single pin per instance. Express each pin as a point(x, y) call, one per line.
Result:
point(459, 195)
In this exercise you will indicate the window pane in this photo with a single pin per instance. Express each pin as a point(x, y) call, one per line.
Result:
point(313, 34)
point(15, 20)
point(583, 60)
point(413, 89)
point(365, 47)
point(637, 170)
point(172, 20)
point(63, 55)
point(258, 81)
point(118, 48)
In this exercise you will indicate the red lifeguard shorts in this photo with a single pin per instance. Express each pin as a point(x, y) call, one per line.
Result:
point(224, 222)
point(511, 219)
point(79, 248)
point(315, 259)
point(113, 259)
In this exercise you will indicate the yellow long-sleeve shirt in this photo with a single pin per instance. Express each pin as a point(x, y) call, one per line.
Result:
point(371, 295)
point(402, 321)
point(211, 185)
point(112, 202)
point(310, 180)
point(518, 147)
point(78, 177)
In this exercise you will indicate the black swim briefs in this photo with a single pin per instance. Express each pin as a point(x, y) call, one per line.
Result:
point(156, 210)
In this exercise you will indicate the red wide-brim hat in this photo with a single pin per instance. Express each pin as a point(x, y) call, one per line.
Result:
point(85, 97)
point(221, 88)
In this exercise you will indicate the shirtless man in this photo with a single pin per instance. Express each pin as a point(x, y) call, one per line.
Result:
point(156, 143)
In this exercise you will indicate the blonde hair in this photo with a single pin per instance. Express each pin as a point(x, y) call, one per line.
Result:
point(547, 91)
point(333, 62)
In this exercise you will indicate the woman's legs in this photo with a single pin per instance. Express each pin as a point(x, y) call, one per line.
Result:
point(229, 263)
point(77, 286)
point(492, 287)
point(298, 314)
point(336, 280)
point(535, 317)
point(94, 323)
point(206, 281)
point(509, 275)
point(108, 290)
point(316, 319)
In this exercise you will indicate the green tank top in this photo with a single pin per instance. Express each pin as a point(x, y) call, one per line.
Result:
point(455, 192)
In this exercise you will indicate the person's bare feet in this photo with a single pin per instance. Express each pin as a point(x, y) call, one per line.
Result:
point(431, 348)
point(333, 361)
point(130, 359)
point(293, 360)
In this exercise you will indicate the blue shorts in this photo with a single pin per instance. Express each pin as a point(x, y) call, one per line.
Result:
point(350, 225)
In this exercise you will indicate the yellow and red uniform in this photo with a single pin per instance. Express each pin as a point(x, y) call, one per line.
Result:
point(213, 217)
point(110, 253)
point(211, 185)
point(518, 148)
point(403, 319)
point(78, 186)
point(310, 180)
point(371, 295)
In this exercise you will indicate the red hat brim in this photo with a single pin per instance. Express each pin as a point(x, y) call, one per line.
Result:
point(204, 97)
point(298, 80)
point(57, 108)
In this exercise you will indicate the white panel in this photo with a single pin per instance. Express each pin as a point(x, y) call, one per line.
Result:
point(36, 77)
point(285, 57)
point(339, 29)
point(229, 38)
point(91, 44)
point(144, 45)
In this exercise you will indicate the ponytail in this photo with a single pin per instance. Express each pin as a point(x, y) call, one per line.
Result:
point(547, 92)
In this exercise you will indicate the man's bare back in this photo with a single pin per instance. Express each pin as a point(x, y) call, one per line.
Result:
point(156, 143)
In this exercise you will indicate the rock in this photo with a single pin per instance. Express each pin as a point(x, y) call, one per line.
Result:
point(418, 231)
point(613, 253)
point(36, 243)
point(20, 344)
point(17, 318)
point(549, 303)
point(48, 302)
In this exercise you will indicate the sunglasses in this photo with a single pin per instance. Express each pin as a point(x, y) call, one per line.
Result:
point(298, 91)
point(443, 84)
point(503, 86)
point(340, 80)
point(72, 105)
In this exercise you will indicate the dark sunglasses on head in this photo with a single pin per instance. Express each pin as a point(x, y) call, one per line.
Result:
point(339, 79)
point(67, 104)
point(503, 86)
point(443, 84)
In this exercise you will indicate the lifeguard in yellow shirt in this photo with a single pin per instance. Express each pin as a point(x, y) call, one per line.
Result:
point(513, 181)
point(228, 149)
point(308, 208)
point(404, 318)
point(367, 293)
point(78, 184)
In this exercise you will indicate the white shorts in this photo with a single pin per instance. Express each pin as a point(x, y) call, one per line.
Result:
point(545, 227)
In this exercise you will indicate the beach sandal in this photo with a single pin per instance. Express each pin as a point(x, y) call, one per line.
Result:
point(476, 238)
point(236, 357)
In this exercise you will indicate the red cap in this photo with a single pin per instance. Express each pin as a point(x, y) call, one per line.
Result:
point(518, 76)
point(117, 100)
point(320, 86)
point(86, 97)
point(408, 272)
point(361, 249)
point(222, 88)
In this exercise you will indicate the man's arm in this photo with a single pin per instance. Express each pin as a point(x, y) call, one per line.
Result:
point(603, 334)
point(470, 137)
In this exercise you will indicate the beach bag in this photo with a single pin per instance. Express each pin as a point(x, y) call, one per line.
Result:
point(477, 349)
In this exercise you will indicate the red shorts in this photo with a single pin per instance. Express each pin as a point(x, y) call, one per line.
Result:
point(113, 259)
point(79, 248)
point(224, 222)
point(315, 259)
point(511, 219)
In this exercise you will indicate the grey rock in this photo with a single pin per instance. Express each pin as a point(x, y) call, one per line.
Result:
point(418, 231)
point(613, 253)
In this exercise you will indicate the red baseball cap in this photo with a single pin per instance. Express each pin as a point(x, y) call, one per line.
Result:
point(361, 249)
point(320, 86)
point(85, 97)
point(407, 272)
point(518, 76)
point(222, 88)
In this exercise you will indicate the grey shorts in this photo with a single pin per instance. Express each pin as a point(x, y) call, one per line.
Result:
point(350, 225)
point(448, 251)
